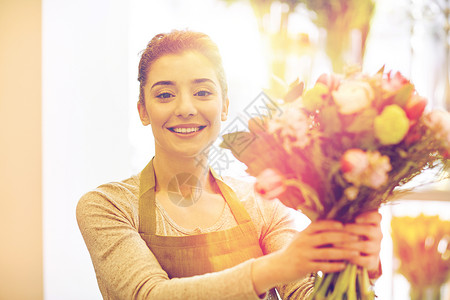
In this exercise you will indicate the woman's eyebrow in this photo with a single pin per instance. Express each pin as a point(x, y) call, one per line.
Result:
point(201, 80)
point(164, 82)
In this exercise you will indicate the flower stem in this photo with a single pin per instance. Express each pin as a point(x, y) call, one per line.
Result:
point(425, 292)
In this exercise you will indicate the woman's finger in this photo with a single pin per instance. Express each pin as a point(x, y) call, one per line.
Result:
point(370, 217)
point(363, 247)
point(370, 232)
point(370, 262)
point(333, 238)
point(333, 254)
point(324, 225)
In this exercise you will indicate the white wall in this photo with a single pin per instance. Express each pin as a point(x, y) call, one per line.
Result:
point(85, 128)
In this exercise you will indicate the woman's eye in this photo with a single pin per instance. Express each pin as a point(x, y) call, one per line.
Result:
point(203, 93)
point(164, 95)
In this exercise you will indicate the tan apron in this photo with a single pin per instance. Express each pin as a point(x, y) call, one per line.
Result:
point(203, 253)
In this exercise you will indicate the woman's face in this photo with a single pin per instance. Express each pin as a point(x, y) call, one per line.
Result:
point(183, 103)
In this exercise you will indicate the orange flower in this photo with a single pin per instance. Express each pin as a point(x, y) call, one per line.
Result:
point(332, 81)
point(393, 83)
point(415, 106)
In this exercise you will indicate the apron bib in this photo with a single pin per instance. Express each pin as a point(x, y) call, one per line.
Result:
point(203, 253)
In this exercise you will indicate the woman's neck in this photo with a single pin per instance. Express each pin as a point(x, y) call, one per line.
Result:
point(168, 166)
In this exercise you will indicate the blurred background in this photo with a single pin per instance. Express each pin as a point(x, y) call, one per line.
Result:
point(68, 117)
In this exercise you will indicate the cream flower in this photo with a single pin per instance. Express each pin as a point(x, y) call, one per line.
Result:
point(439, 122)
point(365, 168)
point(353, 96)
point(377, 175)
point(292, 127)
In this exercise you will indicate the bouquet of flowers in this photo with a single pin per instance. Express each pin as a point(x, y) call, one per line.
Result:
point(422, 243)
point(340, 149)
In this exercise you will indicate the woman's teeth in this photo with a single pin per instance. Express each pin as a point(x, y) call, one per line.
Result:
point(186, 130)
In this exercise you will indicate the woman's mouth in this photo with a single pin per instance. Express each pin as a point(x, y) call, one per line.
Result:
point(186, 130)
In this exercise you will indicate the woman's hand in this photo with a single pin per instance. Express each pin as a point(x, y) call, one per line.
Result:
point(322, 246)
point(367, 228)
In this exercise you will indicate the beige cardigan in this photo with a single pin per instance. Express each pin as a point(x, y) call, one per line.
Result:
point(126, 268)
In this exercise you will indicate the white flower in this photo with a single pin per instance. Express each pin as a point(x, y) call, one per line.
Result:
point(377, 174)
point(365, 168)
point(439, 122)
point(353, 96)
point(292, 127)
point(351, 192)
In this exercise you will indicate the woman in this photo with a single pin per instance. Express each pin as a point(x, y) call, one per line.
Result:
point(179, 231)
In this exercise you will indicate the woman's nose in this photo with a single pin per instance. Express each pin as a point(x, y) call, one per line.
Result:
point(185, 106)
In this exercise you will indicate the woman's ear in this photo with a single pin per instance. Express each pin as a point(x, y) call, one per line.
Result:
point(143, 114)
point(225, 109)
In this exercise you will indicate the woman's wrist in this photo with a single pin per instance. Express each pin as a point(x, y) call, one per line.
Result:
point(265, 270)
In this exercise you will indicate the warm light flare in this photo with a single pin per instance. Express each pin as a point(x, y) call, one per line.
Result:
point(422, 243)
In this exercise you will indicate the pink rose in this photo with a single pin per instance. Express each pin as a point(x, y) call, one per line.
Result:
point(292, 128)
point(415, 106)
point(332, 81)
point(354, 161)
point(439, 122)
point(377, 174)
point(353, 96)
point(393, 83)
point(270, 184)
point(365, 168)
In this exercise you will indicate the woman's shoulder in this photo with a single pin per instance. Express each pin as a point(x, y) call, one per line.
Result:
point(116, 197)
point(116, 189)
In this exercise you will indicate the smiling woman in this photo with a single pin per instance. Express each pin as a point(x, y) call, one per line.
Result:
point(177, 230)
point(184, 102)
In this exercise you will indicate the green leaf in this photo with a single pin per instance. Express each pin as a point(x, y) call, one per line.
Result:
point(346, 142)
point(362, 122)
point(381, 70)
point(367, 141)
point(402, 96)
point(330, 120)
point(315, 97)
point(295, 92)
point(233, 141)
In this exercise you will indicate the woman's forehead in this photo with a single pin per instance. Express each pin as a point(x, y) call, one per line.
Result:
point(188, 65)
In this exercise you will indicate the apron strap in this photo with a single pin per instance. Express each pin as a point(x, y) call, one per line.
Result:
point(147, 214)
point(239, 212)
